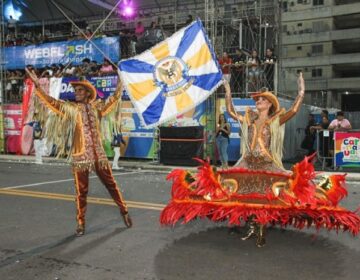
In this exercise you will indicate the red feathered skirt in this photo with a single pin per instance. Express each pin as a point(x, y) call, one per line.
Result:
point(289, 199)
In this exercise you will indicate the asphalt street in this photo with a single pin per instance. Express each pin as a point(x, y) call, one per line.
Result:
point(37, 241)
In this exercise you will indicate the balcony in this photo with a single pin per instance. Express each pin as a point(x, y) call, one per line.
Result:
point(310, 37)
point(318, 12)
point(344, 83)
point(321, 60)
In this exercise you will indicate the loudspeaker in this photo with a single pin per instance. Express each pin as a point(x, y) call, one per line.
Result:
point(179, 145)
point(188, 132)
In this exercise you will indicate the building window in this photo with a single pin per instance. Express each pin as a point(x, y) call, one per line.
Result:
point(284, 28)
point(318, 2)
point(299, 48)
point(317, 72)
point(320, 26)
point(317, 49)
point(285, 6)
point(299, 24)
point(299, 1)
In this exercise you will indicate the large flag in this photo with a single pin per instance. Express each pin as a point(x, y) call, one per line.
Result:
point(173, 76)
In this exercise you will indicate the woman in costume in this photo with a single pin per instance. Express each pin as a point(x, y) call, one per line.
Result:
point(262, 142)
point(258, 190)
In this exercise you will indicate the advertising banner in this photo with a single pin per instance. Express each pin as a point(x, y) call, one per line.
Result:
point(347, 149)
point(105, 86)
point(12, 126)
point(240, 107)
point(61, 52)
point(2, 140)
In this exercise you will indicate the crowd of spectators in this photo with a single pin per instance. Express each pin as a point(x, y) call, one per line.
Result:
point(132, 41)
point(15, 78)
point(246, 69)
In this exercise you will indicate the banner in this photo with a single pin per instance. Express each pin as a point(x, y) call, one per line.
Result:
point(240, 107)
point(105, 86)
point(173, 76)
point(2, 139)
point(61, 52)
point(12, 126)
point(347, 149)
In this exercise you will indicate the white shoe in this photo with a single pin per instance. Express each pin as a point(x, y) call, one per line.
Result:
point(117, 168)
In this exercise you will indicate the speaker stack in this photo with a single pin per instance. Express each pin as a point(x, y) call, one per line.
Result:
point(179, 145)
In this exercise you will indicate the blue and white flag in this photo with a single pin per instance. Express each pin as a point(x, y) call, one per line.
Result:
point(172, 77)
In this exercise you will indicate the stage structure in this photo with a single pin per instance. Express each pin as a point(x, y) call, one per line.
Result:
point(230, 25)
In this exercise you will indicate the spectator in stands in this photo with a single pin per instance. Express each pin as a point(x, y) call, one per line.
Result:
point(237, 71)
point(310, 136)
point(106, 68)
point(12, 25)
point(254, 67)
point(88, 33)
point(85, 68)
point(70, 71)
point(269, 68)
point(125, 43)
point(133, 42)
point(340, 123)
point(8, 87)
point(10, 40)
point(139, 29)
point(323, 142)
point(225, 63)
point(189, 19)
point(95, 67)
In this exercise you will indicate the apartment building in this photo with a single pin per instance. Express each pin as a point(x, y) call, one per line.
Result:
point(322, 39)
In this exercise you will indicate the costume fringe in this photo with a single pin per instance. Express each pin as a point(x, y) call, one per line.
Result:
point(61, 128)
point(90, 165)
point(298, 201)
point(337, 219)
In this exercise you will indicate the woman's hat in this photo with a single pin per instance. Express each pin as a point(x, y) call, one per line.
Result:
point(269, 96)
point(90, 88)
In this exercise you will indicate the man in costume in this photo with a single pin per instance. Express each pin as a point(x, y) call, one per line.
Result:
point(258, 190)
point(77, 123)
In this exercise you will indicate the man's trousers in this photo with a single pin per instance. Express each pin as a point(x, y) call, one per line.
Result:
point(82, 186)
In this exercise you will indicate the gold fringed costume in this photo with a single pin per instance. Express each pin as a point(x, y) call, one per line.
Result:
point(75, 130)
point(75, 126)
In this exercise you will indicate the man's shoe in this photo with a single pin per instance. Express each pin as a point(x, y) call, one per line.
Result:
point(80, 230)
point(127, 220)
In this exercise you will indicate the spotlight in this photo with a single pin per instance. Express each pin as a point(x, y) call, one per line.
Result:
point(11, 10)
point(128, 11)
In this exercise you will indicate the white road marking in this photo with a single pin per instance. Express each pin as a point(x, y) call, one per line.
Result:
point(68, 180)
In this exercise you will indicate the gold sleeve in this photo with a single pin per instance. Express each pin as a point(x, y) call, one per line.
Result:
point(293, 110)
point(112, 101)
point(50, 102)
point(231, 110)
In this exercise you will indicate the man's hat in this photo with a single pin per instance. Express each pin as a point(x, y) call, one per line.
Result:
point(269, 96)
point(86, 84)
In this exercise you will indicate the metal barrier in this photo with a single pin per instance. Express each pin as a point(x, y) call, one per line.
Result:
point(325, 147)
